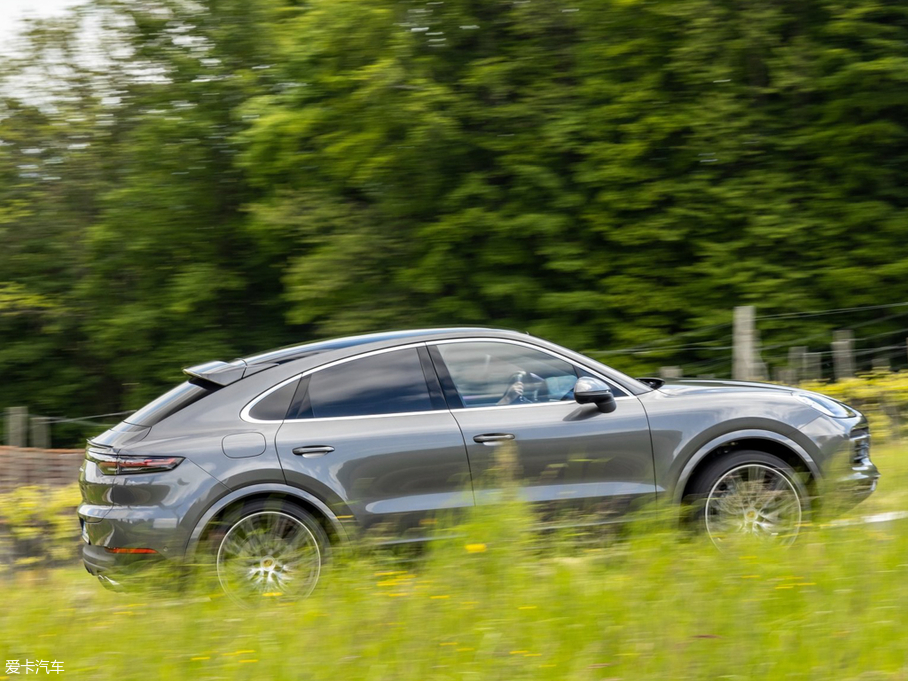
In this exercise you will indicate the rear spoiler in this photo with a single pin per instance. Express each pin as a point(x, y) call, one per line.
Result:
point(224, 373)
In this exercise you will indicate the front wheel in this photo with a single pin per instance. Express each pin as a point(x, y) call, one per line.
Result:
point(750, 496)
point(269, 549)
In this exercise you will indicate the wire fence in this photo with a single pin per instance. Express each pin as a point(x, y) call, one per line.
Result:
point(707, 351)
point(704, 351)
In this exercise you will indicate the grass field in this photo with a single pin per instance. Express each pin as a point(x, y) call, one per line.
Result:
point(500, 602)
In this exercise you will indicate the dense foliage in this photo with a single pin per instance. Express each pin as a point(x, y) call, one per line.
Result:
point(188, 181)
point(38, 526)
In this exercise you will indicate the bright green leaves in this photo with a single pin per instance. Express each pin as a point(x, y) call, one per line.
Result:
point(247, 173)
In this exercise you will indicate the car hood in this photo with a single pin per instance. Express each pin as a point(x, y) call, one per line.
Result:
point(683, 386)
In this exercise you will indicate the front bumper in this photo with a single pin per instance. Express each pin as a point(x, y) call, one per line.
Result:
point(858, 484)
point(853, 476)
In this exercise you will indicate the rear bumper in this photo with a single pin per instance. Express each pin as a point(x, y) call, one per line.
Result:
point(155, 511)
point(127, 528)
point(116, 567)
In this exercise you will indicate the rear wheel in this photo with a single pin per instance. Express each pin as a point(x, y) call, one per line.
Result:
point(269, 549)
point(750, 496)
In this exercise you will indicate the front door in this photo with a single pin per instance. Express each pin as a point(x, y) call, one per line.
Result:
point(569, 457)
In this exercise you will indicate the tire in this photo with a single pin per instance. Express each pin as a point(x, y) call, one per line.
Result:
point(749, 496)
point(268, 548)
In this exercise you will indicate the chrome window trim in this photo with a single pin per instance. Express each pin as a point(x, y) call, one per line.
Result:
point(246, 416)
point(361, 416)
point(557, 355)
point(532, 404)
point(245, 413)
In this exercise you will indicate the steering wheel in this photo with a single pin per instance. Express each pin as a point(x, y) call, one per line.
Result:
point(514, 393)
point(524, 388)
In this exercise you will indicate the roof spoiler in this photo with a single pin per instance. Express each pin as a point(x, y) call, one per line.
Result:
point(224, 373)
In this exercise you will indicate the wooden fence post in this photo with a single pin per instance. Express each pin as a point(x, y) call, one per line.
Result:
point(670, 372)
point(796, 362)
point(40, 432)
point(786, 376)
point(812, 370)
point(843, 354)
point(746, 363)
point(17, 427)
point(17, 439)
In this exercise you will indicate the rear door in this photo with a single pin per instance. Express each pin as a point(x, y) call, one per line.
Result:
point(568, 456)
point(374, 431)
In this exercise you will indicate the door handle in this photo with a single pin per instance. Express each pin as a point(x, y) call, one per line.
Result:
point(311, 451)
point(492, 438)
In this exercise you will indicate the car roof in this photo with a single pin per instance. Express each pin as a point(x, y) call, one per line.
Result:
point(294, 352)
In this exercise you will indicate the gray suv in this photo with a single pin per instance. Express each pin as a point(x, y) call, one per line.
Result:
point(263, 464)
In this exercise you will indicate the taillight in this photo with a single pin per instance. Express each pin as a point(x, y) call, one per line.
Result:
point(146, 464)
point(117, 464)
point(132, 551)
point(106, 462)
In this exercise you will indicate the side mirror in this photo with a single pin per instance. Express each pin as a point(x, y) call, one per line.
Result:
point(588, 390)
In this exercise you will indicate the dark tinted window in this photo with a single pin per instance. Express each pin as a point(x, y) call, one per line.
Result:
point(169, 403)
point(387, 383)
point(273, 407)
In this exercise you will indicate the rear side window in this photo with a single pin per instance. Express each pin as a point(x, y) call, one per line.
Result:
point(167, 404)
point(274, 406)
point(387, 383)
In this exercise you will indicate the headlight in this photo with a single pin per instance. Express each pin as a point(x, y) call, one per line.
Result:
point(826, 405)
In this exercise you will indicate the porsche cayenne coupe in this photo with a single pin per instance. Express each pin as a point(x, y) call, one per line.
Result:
point(262, 465)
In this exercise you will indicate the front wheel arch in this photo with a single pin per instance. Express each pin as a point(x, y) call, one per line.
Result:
point(798, 460)
point(787, 496)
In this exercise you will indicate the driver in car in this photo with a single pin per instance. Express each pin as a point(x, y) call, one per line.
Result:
point(525, 388)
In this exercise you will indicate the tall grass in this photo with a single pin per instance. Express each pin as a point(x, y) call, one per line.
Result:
point(498, 601)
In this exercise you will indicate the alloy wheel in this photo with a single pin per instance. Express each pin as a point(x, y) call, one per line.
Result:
point(753, 501)
point(268, 554)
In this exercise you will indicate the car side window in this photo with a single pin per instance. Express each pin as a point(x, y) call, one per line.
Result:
point(386, 383)
point(273, 407)
point(487, 374)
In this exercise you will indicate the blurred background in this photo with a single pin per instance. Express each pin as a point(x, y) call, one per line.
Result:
point(185, 181)
point(685, 187)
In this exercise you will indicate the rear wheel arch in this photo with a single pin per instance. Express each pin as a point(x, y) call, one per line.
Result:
point(277, 498)
point(234, 502)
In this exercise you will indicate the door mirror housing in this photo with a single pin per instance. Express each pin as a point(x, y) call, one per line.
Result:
point(589, 390)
